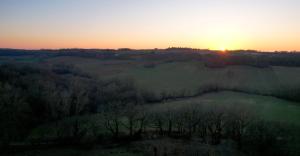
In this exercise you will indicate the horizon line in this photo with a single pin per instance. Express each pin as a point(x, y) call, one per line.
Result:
point(137, 49)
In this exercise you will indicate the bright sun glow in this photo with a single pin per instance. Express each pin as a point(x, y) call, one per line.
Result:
point(226, 36)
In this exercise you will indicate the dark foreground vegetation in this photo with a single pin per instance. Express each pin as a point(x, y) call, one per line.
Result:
point(81, 111)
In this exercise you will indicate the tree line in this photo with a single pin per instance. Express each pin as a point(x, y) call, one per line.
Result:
point(211, 58)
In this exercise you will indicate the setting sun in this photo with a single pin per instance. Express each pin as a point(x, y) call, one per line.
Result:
point(222, 49)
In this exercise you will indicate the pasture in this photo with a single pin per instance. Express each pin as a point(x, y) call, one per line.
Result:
point(189, 76)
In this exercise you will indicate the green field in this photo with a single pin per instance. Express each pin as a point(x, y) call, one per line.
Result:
point(190, 76)
point(267, 108)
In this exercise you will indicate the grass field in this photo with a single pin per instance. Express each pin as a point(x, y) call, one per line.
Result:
point(267, 108)
point(175, 77)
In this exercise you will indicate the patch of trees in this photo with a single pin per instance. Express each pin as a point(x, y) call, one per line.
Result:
point(206, 124)
point(31, 96)
point(203, 123)
point(209, 125)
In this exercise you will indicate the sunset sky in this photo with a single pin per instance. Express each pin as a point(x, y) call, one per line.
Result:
point(214, 24)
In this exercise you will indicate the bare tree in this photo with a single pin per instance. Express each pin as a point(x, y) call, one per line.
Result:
point(158, 120)
point(238, 120)
point(79, 97)
point(180, 122)
point(135, 119)
point(192, 117)
point(215, 124)
point(112, 118)
point(170, 117)
point(74, 102)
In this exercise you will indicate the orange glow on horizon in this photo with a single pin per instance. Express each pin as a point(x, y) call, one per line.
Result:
point(217, 25)
point(48, 43)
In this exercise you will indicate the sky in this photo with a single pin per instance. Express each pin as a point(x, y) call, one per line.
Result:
point(265, 25)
